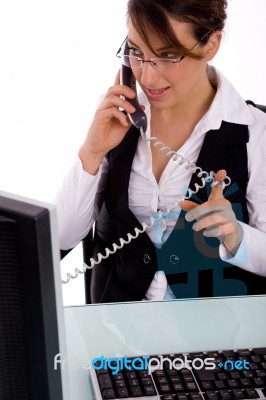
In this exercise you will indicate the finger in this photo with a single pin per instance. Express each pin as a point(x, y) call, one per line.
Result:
point(117, 78)
point(120, 90)
point(217, 185)
point(219, 232)
point(210, 221)
point(187, 205)
point(220, 175)
point(118, 102)
point(113, 112)
point(209, 207)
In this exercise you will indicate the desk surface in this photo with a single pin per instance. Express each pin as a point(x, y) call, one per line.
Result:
point(158, 327)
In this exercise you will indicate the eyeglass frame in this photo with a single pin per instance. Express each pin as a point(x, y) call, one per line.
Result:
point(152, 60)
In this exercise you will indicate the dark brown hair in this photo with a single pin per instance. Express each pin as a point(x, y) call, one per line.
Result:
point(152, 16)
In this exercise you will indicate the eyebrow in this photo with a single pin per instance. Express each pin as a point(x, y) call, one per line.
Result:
point(130, 42)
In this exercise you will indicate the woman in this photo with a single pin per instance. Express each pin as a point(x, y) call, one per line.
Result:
point(122, 180)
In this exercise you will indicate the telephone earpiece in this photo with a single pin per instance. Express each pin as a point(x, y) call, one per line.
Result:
point(138, 118)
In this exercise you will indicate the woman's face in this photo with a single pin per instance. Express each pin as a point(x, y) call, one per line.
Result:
point(169, 89)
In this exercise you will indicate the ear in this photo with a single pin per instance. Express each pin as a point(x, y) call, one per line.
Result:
point(212, 46)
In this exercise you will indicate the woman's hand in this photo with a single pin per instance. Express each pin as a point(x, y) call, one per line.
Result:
point(108, 127)
point(216, 217)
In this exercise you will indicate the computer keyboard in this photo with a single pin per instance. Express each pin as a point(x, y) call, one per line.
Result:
point(235, 374)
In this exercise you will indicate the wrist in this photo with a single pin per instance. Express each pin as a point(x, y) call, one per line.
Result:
point(233, 241)
point(91, 162)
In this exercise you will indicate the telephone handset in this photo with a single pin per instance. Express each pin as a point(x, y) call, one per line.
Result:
point(138, 118)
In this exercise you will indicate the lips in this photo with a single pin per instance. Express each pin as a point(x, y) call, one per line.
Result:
point(157, 93)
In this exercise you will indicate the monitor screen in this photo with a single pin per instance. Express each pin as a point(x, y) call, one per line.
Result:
point(31, 310)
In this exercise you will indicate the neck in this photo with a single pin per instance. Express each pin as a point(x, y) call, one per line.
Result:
point(190, 109)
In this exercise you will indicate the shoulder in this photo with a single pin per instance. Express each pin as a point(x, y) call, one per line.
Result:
point(256, 146)
point(258, 127)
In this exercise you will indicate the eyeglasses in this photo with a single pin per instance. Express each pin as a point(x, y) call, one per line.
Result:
point(162, 64)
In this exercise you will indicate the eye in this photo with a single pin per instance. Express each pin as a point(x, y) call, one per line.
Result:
point(135, 52)
point(171, 54)
point(168, 54)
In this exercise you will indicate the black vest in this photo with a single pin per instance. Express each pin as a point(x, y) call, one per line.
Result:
point(191, 262)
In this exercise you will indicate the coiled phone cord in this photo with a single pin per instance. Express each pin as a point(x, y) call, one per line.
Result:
point(179, 160)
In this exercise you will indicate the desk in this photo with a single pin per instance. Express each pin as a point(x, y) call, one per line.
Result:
point(152, 327)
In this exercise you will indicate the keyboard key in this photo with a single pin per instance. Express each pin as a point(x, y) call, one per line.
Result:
point(136, 391)
point(192, 356)
point(158, 372)
point(185, 371)
point(259, 382)
point(213, 354)
point(118, 377)
point(220, 385)
point(108, 394)
point(133, 382)
point(149, 391)
point(225, 395)
point(171, 372)
point(251, 394)
point(233, 383)
point(175, 379)
point(101, 371)
point(168, 397)
point(182, 396)
point(254, 366)
point(145, 374)
point(105, 382)
point(132, 375)
point(211, 395)
point(245, 382)
point(228, 353)
point(191, 386)
point(120, 384)
point(261, 373)
point(146, 381)
point(244, 352)
point(188, 378)
point(178, 387)
point(237, 374)
point(222, 376)
point(205, 375)
point(248, 374)
point(162, 380)
point(261, 350)
point(206, 385)
point(255, 359)
point(163, 389)
point(195, 396)
point(238, 393)
point(122, 392)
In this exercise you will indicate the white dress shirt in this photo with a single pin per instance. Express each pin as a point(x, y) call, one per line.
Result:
point(81, 194)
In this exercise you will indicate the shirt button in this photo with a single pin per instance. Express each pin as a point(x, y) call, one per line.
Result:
point(174, 259)
point(146, 258)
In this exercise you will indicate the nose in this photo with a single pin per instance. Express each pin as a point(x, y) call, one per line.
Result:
point(149, 74)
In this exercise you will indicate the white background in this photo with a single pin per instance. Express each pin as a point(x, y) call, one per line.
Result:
point(57, 57)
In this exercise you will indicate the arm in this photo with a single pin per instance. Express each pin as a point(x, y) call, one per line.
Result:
point(242, 245)
point(77, 203)
point(82, 189)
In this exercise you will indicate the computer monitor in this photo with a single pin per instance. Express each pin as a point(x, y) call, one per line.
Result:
point(31, 309)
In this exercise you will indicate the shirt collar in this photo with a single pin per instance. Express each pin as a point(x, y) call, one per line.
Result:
point(227, 104)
